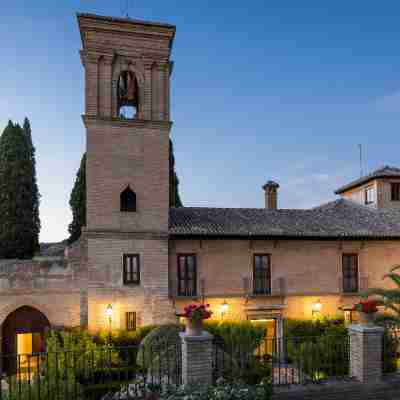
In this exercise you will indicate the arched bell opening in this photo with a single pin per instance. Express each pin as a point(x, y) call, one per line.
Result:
point(127, 95)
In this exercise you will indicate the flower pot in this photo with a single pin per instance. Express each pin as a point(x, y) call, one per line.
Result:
point(194, 327)
point(367, 319)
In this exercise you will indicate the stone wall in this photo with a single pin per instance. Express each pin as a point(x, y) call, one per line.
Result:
point(50, 284)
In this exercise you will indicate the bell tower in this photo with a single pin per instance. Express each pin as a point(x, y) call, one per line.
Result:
point(127, 118)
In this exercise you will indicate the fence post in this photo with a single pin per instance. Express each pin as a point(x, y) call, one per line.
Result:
point(197, 358)
point(366, 352)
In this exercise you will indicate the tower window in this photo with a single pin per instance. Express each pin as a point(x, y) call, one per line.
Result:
point(369, 195)
point(128, 200)
point(395, 191)
point(131, 269)
point(128, 95)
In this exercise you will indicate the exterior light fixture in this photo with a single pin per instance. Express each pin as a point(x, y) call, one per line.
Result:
point(109, 314)
point(224, 308)
point(316, 308)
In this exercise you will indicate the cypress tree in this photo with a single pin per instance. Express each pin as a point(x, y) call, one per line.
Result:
point(174, 198)
point(34, 187)
point(77, 203)
point(19, 196)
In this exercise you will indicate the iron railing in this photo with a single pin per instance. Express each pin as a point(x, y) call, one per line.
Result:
point(391, 351)
point(92, 374)
point(283, 361)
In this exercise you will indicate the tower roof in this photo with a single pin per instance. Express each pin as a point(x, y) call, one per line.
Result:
point(383, 172)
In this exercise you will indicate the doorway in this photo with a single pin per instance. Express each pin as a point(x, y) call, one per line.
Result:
point(23, 335)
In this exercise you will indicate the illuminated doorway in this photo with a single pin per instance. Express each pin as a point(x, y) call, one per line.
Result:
point(23, 334)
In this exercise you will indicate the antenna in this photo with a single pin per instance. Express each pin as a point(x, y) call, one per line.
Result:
point(361, 160)
point(127, 8)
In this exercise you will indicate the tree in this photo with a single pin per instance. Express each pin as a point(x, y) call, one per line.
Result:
point(77, 203)
point(19, 195)
point(389, 298)
point(174, 198)
point(78, 196)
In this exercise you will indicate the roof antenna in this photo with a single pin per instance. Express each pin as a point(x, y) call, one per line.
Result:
point(361, 160)
point(127, 7)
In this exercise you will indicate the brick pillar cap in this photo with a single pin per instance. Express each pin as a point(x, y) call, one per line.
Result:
point(203, 337)
point(366, 329)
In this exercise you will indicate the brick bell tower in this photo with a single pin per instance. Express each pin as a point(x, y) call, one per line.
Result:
point(127, 119)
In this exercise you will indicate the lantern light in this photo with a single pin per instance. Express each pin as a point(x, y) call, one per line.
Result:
point(316, 307)
point(109, 311)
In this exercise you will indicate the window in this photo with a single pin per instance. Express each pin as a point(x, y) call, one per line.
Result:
point(395, 189)
point(131, 269)
point(350, 273)
point(131, 321)
point(128, 92)
point(187, 274)
point(262, 274)
point(128, 200)
point(369, 195)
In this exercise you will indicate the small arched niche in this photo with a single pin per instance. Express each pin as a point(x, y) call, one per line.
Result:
point(128, 200)
point(127, 95)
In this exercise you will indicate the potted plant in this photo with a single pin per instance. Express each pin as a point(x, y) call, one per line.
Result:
point(367, 309)
point(195, 315)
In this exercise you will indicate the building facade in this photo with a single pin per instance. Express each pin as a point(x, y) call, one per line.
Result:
point(139, 262)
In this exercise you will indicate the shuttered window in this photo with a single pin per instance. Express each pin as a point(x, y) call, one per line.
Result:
point(131, 269)
point(262, 274)
point(350, 273)
point(187, 275)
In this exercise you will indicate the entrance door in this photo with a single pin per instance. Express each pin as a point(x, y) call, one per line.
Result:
point(268, 345)
point(23, 334)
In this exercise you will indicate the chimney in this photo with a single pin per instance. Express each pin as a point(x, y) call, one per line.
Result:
point(271, 195)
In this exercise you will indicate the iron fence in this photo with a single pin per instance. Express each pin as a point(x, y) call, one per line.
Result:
point(90, 374)
point(283, 361)
point(391, 350)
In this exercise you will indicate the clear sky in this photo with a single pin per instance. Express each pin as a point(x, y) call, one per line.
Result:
point(260, 91)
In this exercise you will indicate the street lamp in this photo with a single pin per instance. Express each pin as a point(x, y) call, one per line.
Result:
point(109, 313)
point(224, 309)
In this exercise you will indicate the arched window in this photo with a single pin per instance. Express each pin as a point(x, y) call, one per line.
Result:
point(128, 200)
point(128, 95)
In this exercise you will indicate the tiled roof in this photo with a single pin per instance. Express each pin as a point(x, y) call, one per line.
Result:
point(338, 219)
point(384, 172)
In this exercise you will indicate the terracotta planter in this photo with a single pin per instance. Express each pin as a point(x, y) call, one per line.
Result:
point(367, 318)
point(194, 327)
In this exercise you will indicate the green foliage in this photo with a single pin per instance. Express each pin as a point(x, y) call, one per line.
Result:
point(298, 328)
point(389, 299)
point(321, 357)
point(221, 391)
point(237, 334)
point(240, 354)
point(122, 337)
point(159, 350)
point(19, 195)
point(77, 203)
point(174, 198)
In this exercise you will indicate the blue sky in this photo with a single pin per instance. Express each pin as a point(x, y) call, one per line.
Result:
point(260, 91)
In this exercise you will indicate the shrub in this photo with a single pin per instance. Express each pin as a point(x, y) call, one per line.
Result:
point(296, 328)
point(159, 352)
point(221, 391)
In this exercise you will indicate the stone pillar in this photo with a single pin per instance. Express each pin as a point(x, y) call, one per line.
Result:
point(366, 352)
point(197, 354)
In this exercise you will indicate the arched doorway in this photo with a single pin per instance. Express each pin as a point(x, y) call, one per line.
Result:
point(22, 334)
